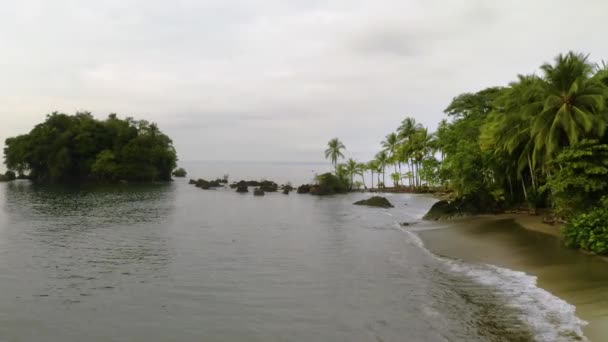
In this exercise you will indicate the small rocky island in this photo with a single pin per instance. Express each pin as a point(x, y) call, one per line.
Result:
point(375, 201)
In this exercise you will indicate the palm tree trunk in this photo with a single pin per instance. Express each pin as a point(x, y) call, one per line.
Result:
point(531, 173)
point(372, 180)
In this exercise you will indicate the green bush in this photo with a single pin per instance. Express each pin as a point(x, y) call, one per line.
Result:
point(330, 184)
point(589, 230)
point(181, 172)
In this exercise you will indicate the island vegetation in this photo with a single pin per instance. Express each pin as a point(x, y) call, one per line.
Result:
point(79, 147)
point(540, 141)
point(180, 173)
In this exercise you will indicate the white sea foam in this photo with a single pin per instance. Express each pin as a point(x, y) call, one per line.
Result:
point(550, 318)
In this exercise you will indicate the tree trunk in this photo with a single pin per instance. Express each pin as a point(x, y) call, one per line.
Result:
point(531, 173)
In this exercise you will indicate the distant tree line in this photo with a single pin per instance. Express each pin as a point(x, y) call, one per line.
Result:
point(79, 147)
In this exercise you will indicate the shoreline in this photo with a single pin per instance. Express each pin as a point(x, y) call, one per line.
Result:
point(522, 242)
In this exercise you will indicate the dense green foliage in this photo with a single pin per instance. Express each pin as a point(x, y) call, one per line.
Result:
point(540, 140)
point(181, 172)
point(80, 147)
point(8, 176)
point(589, 230)
point(329, 184)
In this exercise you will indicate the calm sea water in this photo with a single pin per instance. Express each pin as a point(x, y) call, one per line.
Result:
point(176, 263)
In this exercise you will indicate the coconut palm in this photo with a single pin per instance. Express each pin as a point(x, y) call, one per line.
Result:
point(361, 167)
point(372, 166)
point(383, 160)
point(334, 151)
point(407, 128)
point(573, 105)
point(352, 168)
point(390, 144)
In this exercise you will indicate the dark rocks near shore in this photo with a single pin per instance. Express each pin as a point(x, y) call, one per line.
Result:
point(258, 192)
point(304, 189)
point(442, 210)
point(205, 184)
point(461, 207)
point(375, 201)
point(269, 186)
point(242, 187)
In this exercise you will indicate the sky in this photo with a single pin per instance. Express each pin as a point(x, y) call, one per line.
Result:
point(274, 80)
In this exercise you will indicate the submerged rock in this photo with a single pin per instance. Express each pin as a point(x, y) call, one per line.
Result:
point(286, 191)
point(258, 192)
point(192, 182)
point(375, 201)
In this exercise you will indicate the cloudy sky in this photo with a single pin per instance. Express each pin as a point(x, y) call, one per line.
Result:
point(274, 80)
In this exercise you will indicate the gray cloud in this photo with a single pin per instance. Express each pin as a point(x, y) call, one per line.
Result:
point(229, 79)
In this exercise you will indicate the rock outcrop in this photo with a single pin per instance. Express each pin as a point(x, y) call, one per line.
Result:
point(375, 201)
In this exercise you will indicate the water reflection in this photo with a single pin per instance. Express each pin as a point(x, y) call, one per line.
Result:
point(71, 241)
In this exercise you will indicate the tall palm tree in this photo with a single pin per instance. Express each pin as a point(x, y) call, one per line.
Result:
point(390, 144)
point(372, 166)
point(507, 129)
point(421, 144)
point(572, 106)
point(352, 169)
point(407, 128)
point(361, 167)
point(334, 151)
point(383, 160)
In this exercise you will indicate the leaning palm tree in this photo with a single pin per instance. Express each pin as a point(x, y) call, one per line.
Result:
point(352, 169)
point(383, 160)
point(334, 151)
point(573, 105)
point(361, 167)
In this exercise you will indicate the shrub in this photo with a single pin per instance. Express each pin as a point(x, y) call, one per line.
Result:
point(329, 184)
point(589, 230)
point(181, 172)
point(10, 175)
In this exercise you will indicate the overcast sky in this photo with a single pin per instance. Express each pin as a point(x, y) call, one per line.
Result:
point(274, 80)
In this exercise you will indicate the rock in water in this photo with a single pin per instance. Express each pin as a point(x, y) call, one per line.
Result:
point(258, 192)
point(242, 187)
point(375, 201)
point(441, 210)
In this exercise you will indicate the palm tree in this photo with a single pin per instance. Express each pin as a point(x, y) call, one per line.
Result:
point(372, 166)
point(352, 168)
point(334, 151)
point(507, 129)
point(572, 106)
point(390, 145)
point(407, 128)
point(382, 159)
point(361, 167)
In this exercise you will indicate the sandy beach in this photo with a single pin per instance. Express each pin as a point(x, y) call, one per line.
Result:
point(523, 243)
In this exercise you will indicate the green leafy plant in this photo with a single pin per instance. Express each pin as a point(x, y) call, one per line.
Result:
point(589, 230)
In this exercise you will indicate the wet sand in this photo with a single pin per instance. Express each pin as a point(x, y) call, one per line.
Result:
point(579, 279)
